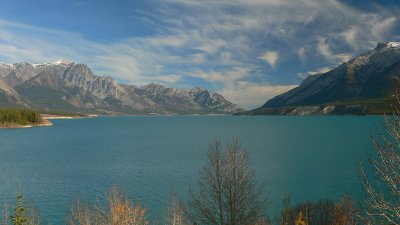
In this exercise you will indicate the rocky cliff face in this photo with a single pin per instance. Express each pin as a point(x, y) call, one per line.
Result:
point(197, 99)
point(371, 76)
point(8, 96)
point(68, 86)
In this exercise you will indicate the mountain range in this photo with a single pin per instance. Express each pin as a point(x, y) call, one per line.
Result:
point(364, 85)
point(72, 87)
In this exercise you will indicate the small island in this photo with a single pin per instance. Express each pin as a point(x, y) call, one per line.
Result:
point(21, 118)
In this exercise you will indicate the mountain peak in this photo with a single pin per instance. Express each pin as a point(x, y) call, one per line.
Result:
point(62, 62)
point(152, 85)
point(22, 64)
point(153, 88)
point(394, 44)
point(197, 89)
point(371, 75)
point(391, 44)
point(4, 64)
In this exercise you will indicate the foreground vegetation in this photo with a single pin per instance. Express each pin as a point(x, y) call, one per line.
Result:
point(227, 194)
point(19, 117)
point(322, 212)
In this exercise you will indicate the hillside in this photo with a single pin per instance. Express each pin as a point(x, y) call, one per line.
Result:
point(364, 85)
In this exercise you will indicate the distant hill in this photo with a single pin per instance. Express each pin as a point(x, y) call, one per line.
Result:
point(363, 85)
point(72, 87)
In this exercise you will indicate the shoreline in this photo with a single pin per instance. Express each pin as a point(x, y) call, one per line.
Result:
point(44, 123)
point(47, 117)
point(56, 117)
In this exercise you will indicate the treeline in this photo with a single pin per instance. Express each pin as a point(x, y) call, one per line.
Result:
point(322, 212)
point(11, 117)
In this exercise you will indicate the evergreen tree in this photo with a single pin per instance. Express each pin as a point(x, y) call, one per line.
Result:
point(19, 218)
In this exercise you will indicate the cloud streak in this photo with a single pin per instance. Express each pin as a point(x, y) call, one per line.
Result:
point(270, 57)
point(222, 45)
point(249, 94)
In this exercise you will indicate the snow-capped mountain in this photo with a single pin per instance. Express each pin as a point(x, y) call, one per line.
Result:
point(363, 85)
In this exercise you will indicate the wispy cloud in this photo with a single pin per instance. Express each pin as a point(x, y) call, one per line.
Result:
point(324, 49)
point(270, 57)
point(381, 28)
point(246, 49)
point(351, 37)
point(313, 72)
point(301, 52)
point(224, 77)
point(249, 95)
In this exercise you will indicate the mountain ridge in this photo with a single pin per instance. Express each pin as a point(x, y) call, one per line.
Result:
point(366, 82)
point(70, 86)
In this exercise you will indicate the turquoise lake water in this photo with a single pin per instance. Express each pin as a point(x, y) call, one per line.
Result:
point(152, 157)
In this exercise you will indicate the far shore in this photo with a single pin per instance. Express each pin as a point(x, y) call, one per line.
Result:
point(46, 121)
point(47, 117)
point(55, 117)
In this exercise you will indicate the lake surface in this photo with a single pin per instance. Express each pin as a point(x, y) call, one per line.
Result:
point(153, 157)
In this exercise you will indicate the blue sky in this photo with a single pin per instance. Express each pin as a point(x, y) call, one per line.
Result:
point(247, 50)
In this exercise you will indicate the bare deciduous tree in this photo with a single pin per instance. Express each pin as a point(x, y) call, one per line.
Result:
point(176, 213)
point(5, 220)
point(120, 210)
point(381, 180)
point(82, 214)
point(321, 212)
point(226, 192)
point(34, 215)
point(345, 212)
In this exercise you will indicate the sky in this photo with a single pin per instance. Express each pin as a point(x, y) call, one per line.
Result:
point(247, 50)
